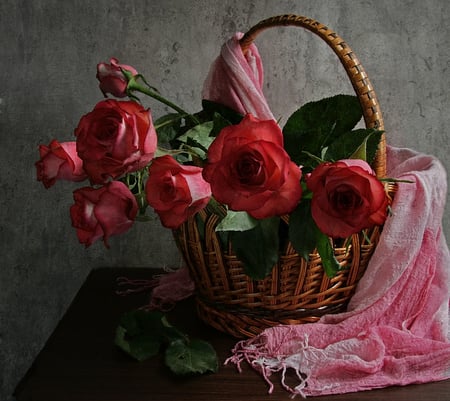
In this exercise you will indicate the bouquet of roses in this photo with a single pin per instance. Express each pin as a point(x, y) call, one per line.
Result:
point(316, 170)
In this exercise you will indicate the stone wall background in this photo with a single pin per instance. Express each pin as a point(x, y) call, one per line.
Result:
point(48, 53)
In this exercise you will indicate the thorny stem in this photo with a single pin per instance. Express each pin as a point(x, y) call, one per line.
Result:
point(134, 86)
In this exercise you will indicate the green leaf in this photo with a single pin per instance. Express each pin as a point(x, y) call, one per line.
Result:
point(354, 144)
point(171, 333)
point(326, 252)
point(140, 334)
point(192, 357)
point(167, 127)
point(237, 221)
point(199, 137)
point(317, 124)
point(141, 347)
point(302, 229)
point(211, 108)
point(135, 322)
point(163, 152)
point(362, 151)
point(219, 123)
point(258, 248)
point(394, 180)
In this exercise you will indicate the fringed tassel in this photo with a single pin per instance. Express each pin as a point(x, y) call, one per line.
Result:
point(263, 357)
point(167, 288)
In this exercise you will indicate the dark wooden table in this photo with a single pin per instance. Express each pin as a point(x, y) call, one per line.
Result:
point(81, 363)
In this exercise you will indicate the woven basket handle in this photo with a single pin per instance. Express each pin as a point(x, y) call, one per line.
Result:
point(355, 71)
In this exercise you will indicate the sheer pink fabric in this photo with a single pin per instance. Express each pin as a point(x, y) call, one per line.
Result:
point(235, 80)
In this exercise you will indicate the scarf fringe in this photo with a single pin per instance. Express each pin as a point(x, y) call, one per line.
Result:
point(167, 288)
point(257, 354)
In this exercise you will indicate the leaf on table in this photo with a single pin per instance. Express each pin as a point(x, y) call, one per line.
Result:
point(139, 347)
point(191, 357)
point(140, 333)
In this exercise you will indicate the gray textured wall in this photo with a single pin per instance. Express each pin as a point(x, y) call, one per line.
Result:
point(48, 53)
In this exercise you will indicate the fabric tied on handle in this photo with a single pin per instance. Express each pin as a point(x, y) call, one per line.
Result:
point(235, 80)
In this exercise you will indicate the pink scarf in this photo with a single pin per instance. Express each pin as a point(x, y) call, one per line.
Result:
point(395, 331)
point(235, 80)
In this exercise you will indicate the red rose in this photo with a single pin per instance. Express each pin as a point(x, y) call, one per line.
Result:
point(176, 191)
point(115, 138)
point(102, 212)
point(347, 197)
point(249, 170)
point(59, 161)
point(112, 79)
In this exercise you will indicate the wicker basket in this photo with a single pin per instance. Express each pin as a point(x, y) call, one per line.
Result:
point(296, 291)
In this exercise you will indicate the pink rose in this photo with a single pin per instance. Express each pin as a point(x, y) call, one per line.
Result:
point(115, 138)
point(347, 197)
point(59, 161)
point(249, 170)
point(102, 212)
point(112, 79)
point(176, 191)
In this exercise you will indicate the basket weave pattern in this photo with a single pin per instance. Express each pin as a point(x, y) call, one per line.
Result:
point(297, 291)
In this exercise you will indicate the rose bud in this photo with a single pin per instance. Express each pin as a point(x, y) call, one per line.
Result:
point(112, 79)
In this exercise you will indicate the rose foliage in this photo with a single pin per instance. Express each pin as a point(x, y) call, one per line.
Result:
point(252, 173)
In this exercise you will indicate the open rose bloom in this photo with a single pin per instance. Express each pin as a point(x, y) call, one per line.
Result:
point(115, 138)
point(59, 161)
point(103, 212)
point(249, 170)
point(176, 192)
point(347, 197)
